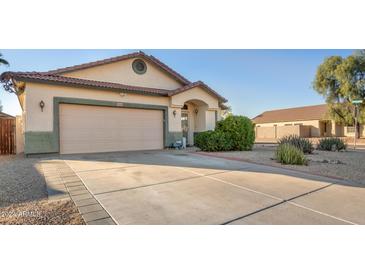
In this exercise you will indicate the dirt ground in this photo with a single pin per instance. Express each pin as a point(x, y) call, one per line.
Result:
point(352, 166)
point(23, 195)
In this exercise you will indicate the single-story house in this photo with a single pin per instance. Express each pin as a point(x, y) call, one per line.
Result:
point(129, 102)
point(308, 121)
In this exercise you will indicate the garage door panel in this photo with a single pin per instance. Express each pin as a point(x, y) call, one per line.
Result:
point(86, 129)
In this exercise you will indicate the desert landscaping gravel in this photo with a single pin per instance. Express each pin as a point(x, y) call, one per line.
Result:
point(20, 180)
point(41, 212)
point(352, 166)
point(23, 195)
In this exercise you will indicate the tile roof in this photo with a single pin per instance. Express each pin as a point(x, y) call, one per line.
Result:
point(141, 54)
point(317, 112)
point(197, 84)
point(56, 77)
point(52, 78)
point(71, 81)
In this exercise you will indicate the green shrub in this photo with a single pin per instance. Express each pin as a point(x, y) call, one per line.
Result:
point(331, 144)
point(288, 154)
point(200, 139)
point(232, 133)
point(213, 141)
point(240, 131)
point(303, 144)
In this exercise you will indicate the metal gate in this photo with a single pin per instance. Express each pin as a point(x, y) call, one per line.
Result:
point(7, 136)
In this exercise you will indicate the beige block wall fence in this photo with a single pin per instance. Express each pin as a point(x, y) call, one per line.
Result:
point(311, 128)
point(268, 131)
point(349, 133)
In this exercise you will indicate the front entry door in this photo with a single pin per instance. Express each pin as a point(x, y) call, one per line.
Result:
point(185, 125)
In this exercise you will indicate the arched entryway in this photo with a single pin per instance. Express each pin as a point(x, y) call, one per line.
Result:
point(194, 119)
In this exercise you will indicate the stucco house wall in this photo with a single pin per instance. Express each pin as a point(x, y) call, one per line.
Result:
point(195, 94)
point(112, 82)
point(19, 134)
point(121, 72)
point(42, 122)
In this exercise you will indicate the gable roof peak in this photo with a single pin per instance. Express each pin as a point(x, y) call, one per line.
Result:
point(135, 54)
point(198, 84)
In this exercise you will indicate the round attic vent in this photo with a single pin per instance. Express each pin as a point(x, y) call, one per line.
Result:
point(139, 66)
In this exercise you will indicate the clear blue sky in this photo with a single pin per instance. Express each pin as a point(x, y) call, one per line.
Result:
point(252, 80)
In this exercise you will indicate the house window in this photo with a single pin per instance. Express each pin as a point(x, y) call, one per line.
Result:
point(350, 129)
point(139, 66)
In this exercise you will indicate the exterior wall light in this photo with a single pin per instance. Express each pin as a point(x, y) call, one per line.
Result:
point(196, 111)
point(174, 113)
point(41, 104)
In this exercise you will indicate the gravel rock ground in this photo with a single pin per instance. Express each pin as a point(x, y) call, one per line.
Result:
point(21, 180)
point(23, 195)
point(41, 213)
point(352, 165)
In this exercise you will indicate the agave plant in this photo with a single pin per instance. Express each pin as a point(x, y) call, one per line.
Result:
point(288, 154)
point(301, 143)
point(332, 144)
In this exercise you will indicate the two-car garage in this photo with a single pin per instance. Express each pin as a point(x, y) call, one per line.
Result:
point(85, 129)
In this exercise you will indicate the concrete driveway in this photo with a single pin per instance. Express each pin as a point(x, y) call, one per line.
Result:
point(174, 187)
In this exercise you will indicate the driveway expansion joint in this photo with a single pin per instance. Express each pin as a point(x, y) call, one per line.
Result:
point(290, 201)
point(156, 184)
point(88, 206)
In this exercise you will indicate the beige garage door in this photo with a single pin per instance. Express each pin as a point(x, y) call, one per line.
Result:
point(85, 129)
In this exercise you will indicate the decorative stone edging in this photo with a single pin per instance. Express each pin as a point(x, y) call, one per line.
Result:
point(63, 183)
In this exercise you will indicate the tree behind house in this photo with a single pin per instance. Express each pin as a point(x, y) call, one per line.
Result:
point(341, 80)
point(2, 62)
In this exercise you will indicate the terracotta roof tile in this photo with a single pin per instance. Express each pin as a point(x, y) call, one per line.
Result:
point(197, 84)
point(56, 77)
point(317, 112)
point(43, 77)
point(141, 54)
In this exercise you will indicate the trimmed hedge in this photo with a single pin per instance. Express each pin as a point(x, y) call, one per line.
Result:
point(232, 133)
point(331, 144)
point(303, 144)
point(288, 154)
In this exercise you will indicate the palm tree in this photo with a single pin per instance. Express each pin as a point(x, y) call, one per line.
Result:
point(3, 61)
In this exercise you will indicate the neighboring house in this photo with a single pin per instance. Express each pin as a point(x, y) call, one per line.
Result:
point(129, 102)
point(308, 121)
